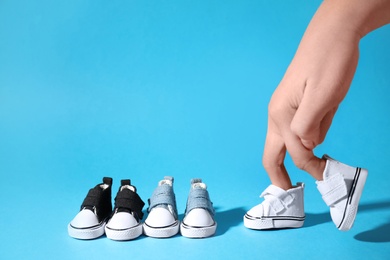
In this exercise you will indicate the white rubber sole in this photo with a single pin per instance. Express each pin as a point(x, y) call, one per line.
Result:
point(124, 234)
point(275, 222)
point(87, 233)
point(197, 232)
point(353, 200)
point(161, 232)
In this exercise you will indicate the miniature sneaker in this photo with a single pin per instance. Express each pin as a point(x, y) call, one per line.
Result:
point(198, 221)
point(341, 190)
point(162, 220)
point(280, 209)
point(89, 223)
point(125, 223)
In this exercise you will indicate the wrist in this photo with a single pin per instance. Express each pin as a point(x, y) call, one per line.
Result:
point(358, 17)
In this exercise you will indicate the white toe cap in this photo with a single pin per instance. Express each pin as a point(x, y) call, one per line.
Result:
point(85, 218)
point(122, 220)
point(199, 217)
point(160, 217)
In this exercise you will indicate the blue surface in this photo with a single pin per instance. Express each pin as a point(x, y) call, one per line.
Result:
point(142, 89)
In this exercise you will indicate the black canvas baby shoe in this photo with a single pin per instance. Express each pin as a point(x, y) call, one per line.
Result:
point(95, 210)
point(125, 222)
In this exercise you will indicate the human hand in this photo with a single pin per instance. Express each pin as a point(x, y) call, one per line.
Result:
point(303, 105)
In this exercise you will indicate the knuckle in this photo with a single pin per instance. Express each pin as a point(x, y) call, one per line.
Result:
point(271, 162)
point(300, 129)
point(276, 109)
point(300, 163)
point(309, 136)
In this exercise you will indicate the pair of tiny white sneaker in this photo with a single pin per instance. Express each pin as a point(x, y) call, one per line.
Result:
point(341, 189)
point(162, 221)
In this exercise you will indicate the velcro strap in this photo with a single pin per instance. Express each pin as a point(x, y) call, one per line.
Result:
point(277, 198)
point(162, 195)
point(130, 200)
point(332, 189)
point(199, 198)
point(93, 197)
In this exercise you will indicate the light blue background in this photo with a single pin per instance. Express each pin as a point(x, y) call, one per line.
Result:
point(142, 89)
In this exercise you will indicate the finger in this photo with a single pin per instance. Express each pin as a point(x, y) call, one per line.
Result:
point(320, 134)
point(298, 152)
point(273, 157)
point(312, 119)
point(282, 110)
point(326, 123)
point(303, 158)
